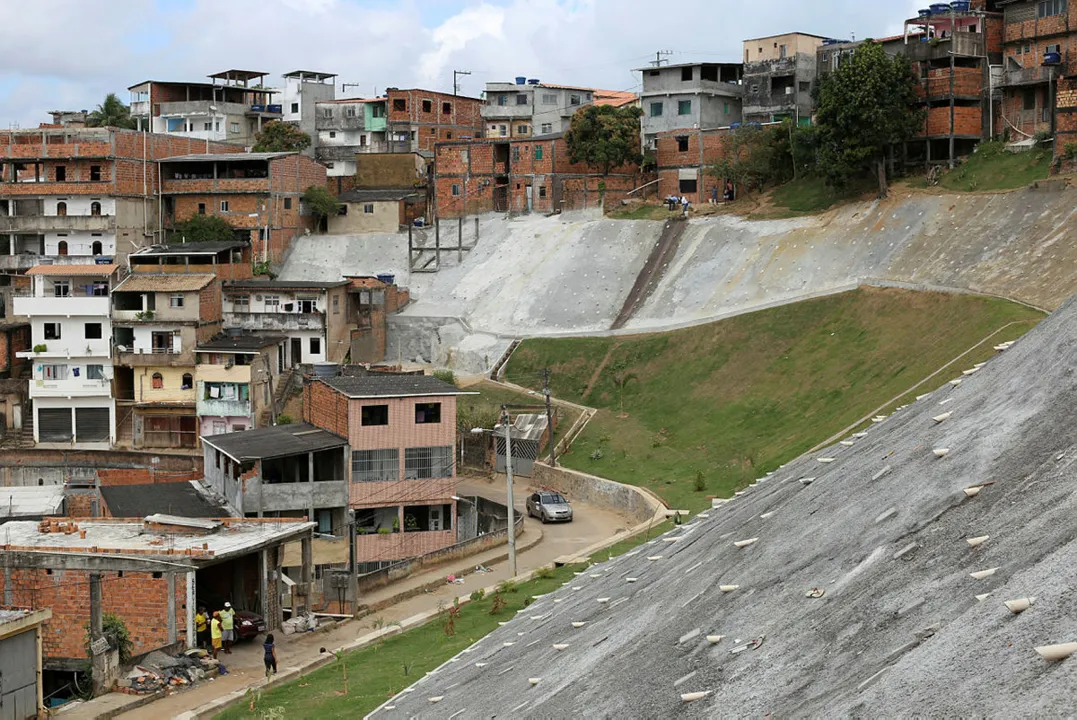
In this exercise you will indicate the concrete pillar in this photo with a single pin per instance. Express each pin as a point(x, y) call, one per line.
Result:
point(40, 675)
point(310, 484)
point(307, 573)
point(171, 603)
point(263, 579)
point(192, 602)
point(97, 661)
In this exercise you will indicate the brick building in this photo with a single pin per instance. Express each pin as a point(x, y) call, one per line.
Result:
point(258, 194)
point(520, 176)
point(225, 260)
point(690, 96)
point(779, 71)
point(423, 118)
point(370, 301)
point(402, 433)
point(148, 570)
point(683, 158)
point(529, 108)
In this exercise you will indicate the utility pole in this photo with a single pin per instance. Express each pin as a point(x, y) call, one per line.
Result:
point(549, 415)
point(272, 394)
point(660, 57)
point(455, 84)
point(508, 479)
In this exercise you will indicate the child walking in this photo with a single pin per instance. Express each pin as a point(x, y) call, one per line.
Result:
point(270, 656)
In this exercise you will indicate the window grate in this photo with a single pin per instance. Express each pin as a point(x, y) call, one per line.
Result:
point(428, 462)
point(375, 465)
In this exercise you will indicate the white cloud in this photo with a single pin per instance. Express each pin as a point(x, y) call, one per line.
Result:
point(481, 23)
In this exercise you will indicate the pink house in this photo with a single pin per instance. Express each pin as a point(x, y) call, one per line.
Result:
point(402, 431)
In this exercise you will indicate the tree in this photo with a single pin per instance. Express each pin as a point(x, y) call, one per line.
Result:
point(864, 107)
point(205, 228)
point(111, 113)
point(605, 137)
point(277, 136)
point(321, 202)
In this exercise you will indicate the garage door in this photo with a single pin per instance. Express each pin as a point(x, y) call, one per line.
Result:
point(92, 424)
point(54, 424)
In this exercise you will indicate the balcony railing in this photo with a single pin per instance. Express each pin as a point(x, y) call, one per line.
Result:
point(1028, 76)
point(71, 387)
point(143, 357)
point(275, 321)
point(57, 223)
point(961, 44)
point(62, 306)
point(222, 408)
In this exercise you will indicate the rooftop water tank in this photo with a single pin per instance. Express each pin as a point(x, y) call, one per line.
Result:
point(1052, 58)
point(326, 369)
point(532, 81)
point(386, 278)
point(961, 6)
point(521, 80)
point(940, 8)
point(924, 12)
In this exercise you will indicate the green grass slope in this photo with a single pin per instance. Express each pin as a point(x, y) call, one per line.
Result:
point(709, 408)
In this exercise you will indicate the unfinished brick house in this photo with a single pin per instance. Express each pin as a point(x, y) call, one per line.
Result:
point(521, 176)
point(402, 433)
point(258, 194)
point(418, 119)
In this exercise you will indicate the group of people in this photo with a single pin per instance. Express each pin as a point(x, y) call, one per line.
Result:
point(218, 631)
point(673, 202)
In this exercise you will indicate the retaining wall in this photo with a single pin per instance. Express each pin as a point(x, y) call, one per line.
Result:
point(636, 503)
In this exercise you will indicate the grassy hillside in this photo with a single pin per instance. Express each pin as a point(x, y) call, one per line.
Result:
point(717, 405)
point(993, 168)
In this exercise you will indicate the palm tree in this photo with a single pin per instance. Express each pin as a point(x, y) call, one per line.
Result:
point(111, 113)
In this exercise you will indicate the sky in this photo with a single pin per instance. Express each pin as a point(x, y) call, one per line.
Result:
point(68, 54)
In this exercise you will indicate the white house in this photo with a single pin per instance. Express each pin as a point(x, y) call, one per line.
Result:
point(71, 355)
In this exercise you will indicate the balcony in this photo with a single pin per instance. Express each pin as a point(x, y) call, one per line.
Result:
point(280, 497)
point(74, 306)
point(222, 408)
point(161, 315)
point(341, 122)
point(224, 373)
point(142, 357)
point(140, 108)
point(201, 107)
point(209, 185)
point(507, 112)
point(401, 545)
point(1038, 75)
point(342, 153)
point(962, 44)
point(66, 349)
point(72, 387)
point(57, 223)
point(275, 321)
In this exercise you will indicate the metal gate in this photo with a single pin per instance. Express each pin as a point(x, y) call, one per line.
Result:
point(93, 424)
point(54, 425)
point(18, 676)
point(524, 454)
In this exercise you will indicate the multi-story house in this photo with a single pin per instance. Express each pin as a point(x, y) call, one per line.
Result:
point(420, 118)
point(1039, 50)
point(157, 321)
point(71, 386)
point(224, 260)
point(303, 90)
point(232, 108)
point(235, 378)
point(313, 316)
point(778, 74)
point(258, 194)
point(345, 128)
point(402, 433)
point(530, 108)
point(690, 96)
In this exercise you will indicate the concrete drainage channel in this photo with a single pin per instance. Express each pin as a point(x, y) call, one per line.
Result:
point(896, 577)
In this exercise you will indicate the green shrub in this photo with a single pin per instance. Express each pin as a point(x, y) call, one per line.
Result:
point(478, 595)
point(115, 630)
point(284, 419)
point(41, 348)
point(445, 376)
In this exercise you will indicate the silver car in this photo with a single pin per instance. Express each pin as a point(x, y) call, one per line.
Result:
point(549, 507)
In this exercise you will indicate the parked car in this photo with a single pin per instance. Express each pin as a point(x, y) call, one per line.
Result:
point(549, 507)
point(248, 624)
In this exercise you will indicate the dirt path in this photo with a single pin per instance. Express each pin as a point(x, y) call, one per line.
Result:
point(652, 271)
point(598, 370)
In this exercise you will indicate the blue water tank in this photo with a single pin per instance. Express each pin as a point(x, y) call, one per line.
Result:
point(532, 81)
point(521, 80)
point(924, 12)
point(275, 108)
point(961, 6)
point(1052, 58)
point(258, 108)
point(386, 278)
point(734, 126)
point(940, 8)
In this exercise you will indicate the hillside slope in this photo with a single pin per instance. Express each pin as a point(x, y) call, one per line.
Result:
point(882, 529)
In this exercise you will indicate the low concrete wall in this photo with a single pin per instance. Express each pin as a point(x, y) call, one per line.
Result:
point(636, 503)
point(51, 467)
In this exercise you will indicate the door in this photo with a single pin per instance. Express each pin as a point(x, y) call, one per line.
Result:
point(435, 517)
point(297, 351)
point(530, 197)
point(93, 424)
point(325, 522)
point(54, 425)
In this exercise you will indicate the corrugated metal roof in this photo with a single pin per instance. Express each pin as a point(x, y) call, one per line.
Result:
point(63, 270)
point(240, 343)
point(389, 385)
point(175, 498)
point(227, 157)
point(149, 282)
point(273, 442)
point(36, 501)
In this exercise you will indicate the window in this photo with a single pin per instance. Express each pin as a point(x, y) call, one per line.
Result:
point(95, 372)
point(686, 74)
point(96, 248)
point(504, 130)
point(547, 128)
point(573, 99)
point(549, 98)
point(709, 73)
point(456, 190)
point(522, 129)
point(446, 108)
point(428, 462)
point(375, 415)
point(1029, 98)
point(1052, 49)
point(52, 331)
point(368, 209)
point(755, 88)
point(684, 107)
point(61, 173)
point(400, 105)
point(93, 331)
point(224, 206)
point(187, 382)
point(542, 191)
point(295, 107)
point(688, 186)
point(433, 131)
point(781, 51)
point(336, 304)
point(725, 108)
point(1045, 114)
point(54, 372)
point(307, 305)
point(538, 152)
point(448, 135)
point(234, 128)
point(1028, 48)
point(332, 135)
point(1019, 50)
point(427, 413)
point(175, 300)
point(61, 288)
point(241, 303)
point(377, 111)
point(95, 173)
point(61, 208)
point(158, 381)
point(427, 106)
point(805, 87)
point(375, 465)
point(682, 143)
point(656, 109)
point(272, 303)
point(327, 112)
point(516, 154)
point(315, 346)
point(161, 341)
point(521, 99)
point(287, 203)
point(349, 111)
point(61, 248)
point(1047, 8)
point(207, 126)
point(201, 208)
point(95, 208)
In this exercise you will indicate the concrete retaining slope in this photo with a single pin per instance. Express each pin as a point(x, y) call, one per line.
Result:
point(882, 530)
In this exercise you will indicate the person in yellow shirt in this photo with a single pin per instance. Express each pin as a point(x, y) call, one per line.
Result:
point(228, 626)
point(201, 626)
point(215, 632)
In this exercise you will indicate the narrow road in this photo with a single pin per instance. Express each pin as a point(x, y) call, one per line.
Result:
point(591, 525)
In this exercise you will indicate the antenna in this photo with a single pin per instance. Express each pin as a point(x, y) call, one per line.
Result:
point(455, 84)
point(344, 86)
point(660, 57)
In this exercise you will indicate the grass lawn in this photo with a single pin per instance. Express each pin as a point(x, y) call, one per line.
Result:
point(377, 672)
point(721, 404)
point(992, 167)
point(642, 211)
point(806, 196)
